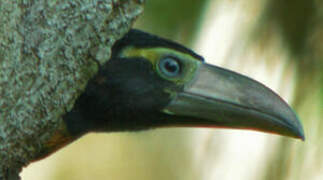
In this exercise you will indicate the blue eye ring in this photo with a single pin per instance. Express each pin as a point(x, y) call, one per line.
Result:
point(170, 66)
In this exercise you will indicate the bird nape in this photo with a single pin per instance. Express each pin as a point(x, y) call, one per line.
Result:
point(150, 82)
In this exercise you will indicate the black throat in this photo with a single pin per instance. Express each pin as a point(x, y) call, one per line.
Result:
point(125, 95)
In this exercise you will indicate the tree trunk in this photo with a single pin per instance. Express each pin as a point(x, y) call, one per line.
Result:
point(48, 51)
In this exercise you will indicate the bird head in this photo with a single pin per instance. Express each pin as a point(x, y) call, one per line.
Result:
point(151, 82)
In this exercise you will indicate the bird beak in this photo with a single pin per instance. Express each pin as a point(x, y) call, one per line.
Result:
point(222, 98)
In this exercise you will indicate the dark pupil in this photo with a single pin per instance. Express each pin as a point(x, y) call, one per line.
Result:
point(169, 66)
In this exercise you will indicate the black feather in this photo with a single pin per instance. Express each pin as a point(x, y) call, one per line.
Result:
point(137, 38)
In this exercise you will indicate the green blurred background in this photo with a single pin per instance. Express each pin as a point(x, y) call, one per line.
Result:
point(279, 43)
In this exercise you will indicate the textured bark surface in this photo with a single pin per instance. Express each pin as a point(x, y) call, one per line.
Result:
point(48, 51)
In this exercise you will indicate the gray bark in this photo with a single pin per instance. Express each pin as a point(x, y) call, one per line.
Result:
point(48, 51)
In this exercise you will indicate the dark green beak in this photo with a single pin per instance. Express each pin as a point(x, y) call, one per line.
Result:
point(222, 98)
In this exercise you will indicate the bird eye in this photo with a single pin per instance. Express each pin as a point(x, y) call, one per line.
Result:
point(170, 66)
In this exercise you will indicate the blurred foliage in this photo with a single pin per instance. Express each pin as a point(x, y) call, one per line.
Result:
point(177, 19)
point(294, 20)
point(299, 24)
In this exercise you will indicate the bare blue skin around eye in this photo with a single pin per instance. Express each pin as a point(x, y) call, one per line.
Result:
point(169, 66)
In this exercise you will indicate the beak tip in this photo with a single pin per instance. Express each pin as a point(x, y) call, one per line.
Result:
point(298, 131)
point(301, 134)
point(226, 99)
point(303, 138)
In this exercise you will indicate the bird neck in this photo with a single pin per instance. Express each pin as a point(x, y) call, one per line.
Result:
point(58, 139)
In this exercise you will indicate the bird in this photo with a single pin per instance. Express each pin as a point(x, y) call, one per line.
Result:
point(151, 82)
